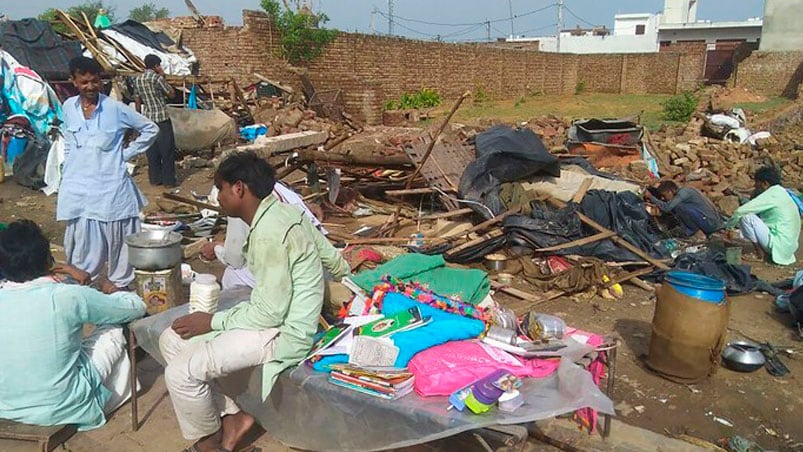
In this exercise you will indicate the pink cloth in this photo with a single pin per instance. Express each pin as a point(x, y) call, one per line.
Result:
point(446, 368)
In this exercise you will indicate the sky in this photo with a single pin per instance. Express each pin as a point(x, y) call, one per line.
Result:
point(451, 20)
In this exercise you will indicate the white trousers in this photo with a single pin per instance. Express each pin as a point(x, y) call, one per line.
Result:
point(755, 230)
point(195, 371)
point(90, 243)
point(107, 351)
point(237, 277)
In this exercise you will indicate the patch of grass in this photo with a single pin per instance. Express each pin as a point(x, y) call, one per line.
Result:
point(772, 103)
point(569, 107)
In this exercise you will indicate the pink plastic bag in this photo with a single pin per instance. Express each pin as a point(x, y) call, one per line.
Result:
point(446, 368)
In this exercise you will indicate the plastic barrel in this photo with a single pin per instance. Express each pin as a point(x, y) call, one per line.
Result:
point(697, 286)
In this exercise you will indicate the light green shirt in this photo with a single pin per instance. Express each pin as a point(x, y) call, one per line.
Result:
point(45, 378)
point(779, 212)
point(287, 256)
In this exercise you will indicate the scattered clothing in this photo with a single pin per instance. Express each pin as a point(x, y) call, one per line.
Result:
point(585, 275)
point(775, 208)
point(95, 181)
point(470, 286)
point(738, 278)
point(49, 375)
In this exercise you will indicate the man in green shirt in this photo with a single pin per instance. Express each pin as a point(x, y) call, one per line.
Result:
point(770, 220)
point(273, 329)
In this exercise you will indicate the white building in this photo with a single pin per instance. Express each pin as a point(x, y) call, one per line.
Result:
point(646, 33)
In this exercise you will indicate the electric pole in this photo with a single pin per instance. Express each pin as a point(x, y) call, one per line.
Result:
point(373, 20)
point(488, 30)
point(560, 22)
point(390, 17)
point(510, 5)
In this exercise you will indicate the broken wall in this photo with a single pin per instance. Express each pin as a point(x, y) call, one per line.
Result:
point(374, 69)
point(772, 73)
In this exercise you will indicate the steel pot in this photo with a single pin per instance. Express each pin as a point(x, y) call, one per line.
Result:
point(496, 262)
point(743, 356)
point(154, 250)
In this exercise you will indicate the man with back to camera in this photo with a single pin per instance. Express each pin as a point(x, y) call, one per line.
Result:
point(694, 211)
point(151, 92)
point(97, 197)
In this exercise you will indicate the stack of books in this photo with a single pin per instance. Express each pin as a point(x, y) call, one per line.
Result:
point(386, 383)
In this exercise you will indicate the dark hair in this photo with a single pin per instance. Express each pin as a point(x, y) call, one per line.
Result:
point(24, 251)
point(84, 65)
point(667, 186)
point(769, 175)
point(151, 61)
point(250, 169)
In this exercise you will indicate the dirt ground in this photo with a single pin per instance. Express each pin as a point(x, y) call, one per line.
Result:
point(760, 407)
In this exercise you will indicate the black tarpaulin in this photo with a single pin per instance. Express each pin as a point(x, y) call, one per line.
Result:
point(503, 155)
point(143, 34)
point(36, 45)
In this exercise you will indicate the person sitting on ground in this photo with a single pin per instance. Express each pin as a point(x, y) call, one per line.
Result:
point(50, 374)
point(770, 220)
point(694, 211)
point(273, 329)
point(230, 251)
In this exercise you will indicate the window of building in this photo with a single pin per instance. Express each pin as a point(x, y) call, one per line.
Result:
point(640, 29)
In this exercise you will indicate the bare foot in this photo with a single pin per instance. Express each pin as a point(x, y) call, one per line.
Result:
point(235, 427)
point(209, 443)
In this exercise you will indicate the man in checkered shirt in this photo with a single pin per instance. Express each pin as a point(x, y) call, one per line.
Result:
point(151, 92)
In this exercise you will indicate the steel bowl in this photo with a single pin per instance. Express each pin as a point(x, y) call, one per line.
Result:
point(743, 356)
point(154, 250)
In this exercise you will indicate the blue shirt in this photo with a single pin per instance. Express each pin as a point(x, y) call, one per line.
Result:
point(45, 378)
point(95, 183)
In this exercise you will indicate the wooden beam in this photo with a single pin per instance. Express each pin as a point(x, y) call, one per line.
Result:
point(285, 88)
point(410, 191)
point(526, 296)
point(192, 202)
point(335, 158)
point(484, 238)
point(581, 192)
point(624, 243)
point(453, 213)
point(578, 242)
point(479, 227)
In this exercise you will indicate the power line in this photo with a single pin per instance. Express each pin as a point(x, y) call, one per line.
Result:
point(578, 17)
point(438, 24)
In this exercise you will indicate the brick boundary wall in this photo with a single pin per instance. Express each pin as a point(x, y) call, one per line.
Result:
point(372, 69)
point(772, 73)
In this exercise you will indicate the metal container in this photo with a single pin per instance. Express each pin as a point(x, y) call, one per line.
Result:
point(154, 250)
point(743, 356)
point(496, 262)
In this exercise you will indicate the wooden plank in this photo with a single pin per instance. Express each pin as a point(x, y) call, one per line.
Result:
point(281, 86)
point(628, 276)
point(484, 238)
point(192, 202)
point(526, 296)
point(624, 243)
point(450, 214)
point(578, 242)
point(581, 193)
point(480, 227)
point(410, 191)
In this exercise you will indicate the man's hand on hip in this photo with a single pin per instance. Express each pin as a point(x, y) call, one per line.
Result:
point(193, 325)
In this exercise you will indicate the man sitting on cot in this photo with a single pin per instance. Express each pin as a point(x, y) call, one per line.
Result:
point(49, 373)
point(771, 220)
point(695, 212)
point(273, 329)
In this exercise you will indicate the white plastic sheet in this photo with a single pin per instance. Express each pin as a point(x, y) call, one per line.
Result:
point(306, 412)
point(55, 158)
point(173, 64)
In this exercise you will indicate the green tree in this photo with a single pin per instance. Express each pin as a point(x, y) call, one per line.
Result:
point(302, 38)
point(90, 8)
point(148, 12)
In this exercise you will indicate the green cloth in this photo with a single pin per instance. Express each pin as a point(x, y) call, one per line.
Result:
point(3, 226)
point(285, 253)
point(470, 286)
point(779, 212)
